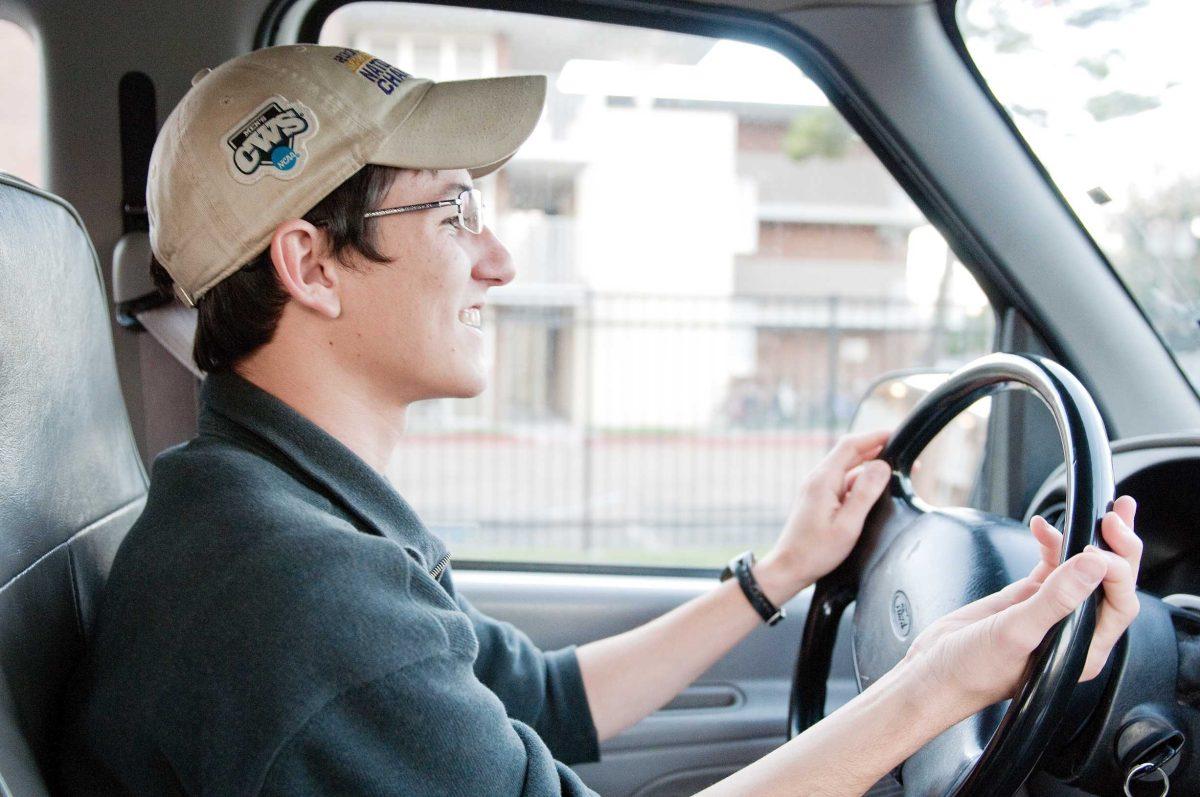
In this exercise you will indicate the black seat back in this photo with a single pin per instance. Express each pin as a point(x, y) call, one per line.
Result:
point(71, 480)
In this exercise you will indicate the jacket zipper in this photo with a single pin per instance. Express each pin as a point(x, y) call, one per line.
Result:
point(436, 572)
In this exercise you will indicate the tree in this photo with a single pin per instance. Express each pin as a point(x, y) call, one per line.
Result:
point(817, 133)
point(1006, 36)
point(1160, 258)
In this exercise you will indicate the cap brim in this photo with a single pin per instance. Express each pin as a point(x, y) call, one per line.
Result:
point(466, 124)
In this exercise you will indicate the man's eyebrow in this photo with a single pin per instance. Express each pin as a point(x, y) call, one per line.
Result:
point(453, 186)
point(458, 188)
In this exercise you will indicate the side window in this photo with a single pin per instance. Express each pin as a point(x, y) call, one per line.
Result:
point(21, 128)
point(711, 271)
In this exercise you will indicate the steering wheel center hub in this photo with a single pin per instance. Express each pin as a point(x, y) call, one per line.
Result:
point(943, 560)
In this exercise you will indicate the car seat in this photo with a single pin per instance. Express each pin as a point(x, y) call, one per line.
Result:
point(71, 479)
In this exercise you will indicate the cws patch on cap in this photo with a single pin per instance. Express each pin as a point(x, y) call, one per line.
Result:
point(266, 136)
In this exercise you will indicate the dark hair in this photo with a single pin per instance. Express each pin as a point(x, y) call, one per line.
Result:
point(241, 312)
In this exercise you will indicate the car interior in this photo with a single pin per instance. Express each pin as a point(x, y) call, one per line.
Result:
point(687, 421)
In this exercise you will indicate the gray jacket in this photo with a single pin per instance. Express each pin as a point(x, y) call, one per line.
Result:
point(271, 626)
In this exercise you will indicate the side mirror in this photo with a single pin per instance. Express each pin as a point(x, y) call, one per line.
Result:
point(948, 467)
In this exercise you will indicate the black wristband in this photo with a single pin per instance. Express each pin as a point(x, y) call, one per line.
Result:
point(739, 566)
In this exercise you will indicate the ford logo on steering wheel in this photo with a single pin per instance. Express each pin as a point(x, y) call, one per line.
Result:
point(901, 615)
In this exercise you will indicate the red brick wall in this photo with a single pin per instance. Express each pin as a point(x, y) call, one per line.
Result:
point(760, 136)
point(801, 357)
point(832, 241)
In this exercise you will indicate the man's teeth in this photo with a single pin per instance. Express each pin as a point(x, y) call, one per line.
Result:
point(471, 316)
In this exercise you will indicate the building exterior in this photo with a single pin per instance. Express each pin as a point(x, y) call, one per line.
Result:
point(668, 245)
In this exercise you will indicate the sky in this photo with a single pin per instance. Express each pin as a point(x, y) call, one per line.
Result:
point(1150, 52)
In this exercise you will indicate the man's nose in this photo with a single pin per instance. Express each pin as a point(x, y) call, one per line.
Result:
point(494, 263)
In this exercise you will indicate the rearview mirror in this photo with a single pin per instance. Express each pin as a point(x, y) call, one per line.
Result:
point(946, 470)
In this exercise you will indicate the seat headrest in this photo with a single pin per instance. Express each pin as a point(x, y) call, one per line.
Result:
point(67, 453)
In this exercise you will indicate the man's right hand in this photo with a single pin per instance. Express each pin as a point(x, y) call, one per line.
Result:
point(976, 655)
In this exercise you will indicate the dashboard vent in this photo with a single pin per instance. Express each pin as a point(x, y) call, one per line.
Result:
point(1055, 514)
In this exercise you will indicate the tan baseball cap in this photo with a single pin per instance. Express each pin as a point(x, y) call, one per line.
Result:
point(266, 136)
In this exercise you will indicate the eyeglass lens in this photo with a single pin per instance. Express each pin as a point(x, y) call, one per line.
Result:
point(469, 210)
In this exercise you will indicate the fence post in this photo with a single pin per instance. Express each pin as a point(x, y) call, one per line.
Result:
point(589, 364)
point(833, 335)
point(937, 334)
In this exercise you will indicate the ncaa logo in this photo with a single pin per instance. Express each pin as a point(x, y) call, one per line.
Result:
point(270, 141)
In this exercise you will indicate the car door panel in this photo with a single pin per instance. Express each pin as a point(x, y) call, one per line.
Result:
point(735, 713)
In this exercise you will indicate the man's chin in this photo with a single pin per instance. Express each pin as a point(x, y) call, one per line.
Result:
point(468, 388)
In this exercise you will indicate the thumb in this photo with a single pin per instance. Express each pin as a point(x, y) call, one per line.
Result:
point(1026, 623)
point(864, 493)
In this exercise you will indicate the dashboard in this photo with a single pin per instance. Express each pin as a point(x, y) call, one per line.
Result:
point(1161, 473)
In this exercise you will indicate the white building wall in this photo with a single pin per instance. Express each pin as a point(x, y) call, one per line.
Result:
point(674, 234)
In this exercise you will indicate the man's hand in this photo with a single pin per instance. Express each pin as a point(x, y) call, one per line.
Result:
point(827, 516)
point(631, 674)
point(977, 654)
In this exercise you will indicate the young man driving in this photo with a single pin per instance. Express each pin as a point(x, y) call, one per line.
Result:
point(279, 621)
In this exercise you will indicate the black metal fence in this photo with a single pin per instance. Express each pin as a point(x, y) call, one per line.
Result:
point(647, 429)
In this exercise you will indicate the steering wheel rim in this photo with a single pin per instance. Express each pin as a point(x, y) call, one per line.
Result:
point(1025, 729)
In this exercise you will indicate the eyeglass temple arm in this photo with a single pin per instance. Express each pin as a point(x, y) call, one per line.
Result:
point(426, 206)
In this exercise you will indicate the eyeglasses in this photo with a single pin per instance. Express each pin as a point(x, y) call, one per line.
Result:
point(469, 203)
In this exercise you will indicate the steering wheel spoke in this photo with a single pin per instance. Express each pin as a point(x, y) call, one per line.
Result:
point(939, 766)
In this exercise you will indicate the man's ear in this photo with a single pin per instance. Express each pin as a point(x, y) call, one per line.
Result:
point(304, 269)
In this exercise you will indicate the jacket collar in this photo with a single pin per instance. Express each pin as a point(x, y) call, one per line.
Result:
point(235, 409)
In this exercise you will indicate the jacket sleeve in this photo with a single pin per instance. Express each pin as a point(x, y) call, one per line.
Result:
point(542, 690)
point(428, 729)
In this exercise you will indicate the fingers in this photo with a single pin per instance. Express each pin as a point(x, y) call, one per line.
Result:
point(1013, 594)
point(1120, 606)
point(854, 449)
point(1125, 507)
point(1024, 624)
point(1050, 541)
point(1117, 529)
point(1117, 612)
point(863, 494)
point(829, 479)
point(849, 483)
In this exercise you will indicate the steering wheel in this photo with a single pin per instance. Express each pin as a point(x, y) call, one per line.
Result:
point(914, 564)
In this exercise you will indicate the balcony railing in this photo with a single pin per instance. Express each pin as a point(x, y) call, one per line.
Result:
point(543, 247)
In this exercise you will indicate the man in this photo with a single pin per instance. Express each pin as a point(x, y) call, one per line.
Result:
point(279, 621)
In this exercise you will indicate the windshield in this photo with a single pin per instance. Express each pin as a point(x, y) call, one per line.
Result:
point(1107, 93)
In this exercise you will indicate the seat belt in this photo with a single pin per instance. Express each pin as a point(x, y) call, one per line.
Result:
point(139, 125)
point(140, 304)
